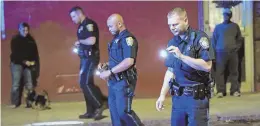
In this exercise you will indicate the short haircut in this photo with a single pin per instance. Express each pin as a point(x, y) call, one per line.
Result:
point(24, 24)
point(76, 8)
point(178, 11)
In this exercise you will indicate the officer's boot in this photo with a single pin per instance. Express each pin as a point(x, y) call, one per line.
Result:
point(135, 118)
point(98, 113)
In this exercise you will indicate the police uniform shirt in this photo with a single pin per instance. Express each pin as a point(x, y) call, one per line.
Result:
point(88, 28)
point(124, 45)
point(196, 45)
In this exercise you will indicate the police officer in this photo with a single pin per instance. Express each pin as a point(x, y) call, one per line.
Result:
point(121, 73)
point(88, 51)
point(227, 41)
point(189, 62)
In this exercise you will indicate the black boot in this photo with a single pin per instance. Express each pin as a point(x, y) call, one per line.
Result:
point(86, 116)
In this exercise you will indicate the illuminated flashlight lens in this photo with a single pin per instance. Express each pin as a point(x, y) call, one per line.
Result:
point(163, 53)
point(97, 72)
point(75, 50)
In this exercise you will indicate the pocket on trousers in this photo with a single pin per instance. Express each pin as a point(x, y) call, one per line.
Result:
point(120, 85)
point(200, 104)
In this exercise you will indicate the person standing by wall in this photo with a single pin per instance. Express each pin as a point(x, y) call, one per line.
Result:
point(226, 41)
point(24, 59)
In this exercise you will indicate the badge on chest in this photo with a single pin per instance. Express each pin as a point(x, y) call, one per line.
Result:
point(116, 40)
point(188, 47)
point(80, 29)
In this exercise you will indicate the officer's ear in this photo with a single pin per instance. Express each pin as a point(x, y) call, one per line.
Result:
point(186, 20)
point(119, 24)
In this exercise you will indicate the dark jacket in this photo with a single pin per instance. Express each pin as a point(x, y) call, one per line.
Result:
point(25, 49)
point(227, 37)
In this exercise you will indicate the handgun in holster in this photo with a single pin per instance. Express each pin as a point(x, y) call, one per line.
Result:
point(210, 89)
point(175, 88)
point(130, 75)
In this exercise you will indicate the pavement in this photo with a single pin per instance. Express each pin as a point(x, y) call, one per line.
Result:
point(227, 111)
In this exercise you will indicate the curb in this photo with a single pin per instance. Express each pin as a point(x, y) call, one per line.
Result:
point(249, 117)
point(166, 122)
point(213, 119)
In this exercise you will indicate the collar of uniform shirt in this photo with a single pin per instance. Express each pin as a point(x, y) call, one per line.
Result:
point(84, 21)
point(122, 32)
point(187, 36)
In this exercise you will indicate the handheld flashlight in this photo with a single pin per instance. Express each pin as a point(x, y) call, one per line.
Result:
point(75, 50)
point(98, 72)
point(163, 53)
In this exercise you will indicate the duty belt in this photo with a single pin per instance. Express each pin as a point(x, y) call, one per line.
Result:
point(129, 74)
point(85, 52)
point(116, 77)
point(198, 91)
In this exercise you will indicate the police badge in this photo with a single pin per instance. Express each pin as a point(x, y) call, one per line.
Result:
point(80, 29)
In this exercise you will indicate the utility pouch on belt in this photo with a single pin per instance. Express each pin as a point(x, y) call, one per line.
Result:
point(131, 73)
point(199, 92)
point(85, 53)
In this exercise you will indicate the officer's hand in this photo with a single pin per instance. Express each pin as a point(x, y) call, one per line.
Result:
point(76, 44)
point(105, 75)
point(175, 51)
point(159, 103)
point(102, 66)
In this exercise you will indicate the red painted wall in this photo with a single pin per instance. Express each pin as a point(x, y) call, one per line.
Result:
point(55, 35)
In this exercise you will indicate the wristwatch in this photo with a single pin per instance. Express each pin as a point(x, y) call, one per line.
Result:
point(111, 71)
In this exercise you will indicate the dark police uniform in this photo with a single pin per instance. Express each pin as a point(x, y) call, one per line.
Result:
point(189, 89)
point(89, 59)
point(121, 86)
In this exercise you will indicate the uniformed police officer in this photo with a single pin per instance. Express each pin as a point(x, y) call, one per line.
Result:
point(121, 73)
point(88, 51)
point(189, 62)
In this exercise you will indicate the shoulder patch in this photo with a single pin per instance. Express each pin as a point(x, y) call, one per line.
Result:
point(204, 42)
point(129, 41)
point(90, 27)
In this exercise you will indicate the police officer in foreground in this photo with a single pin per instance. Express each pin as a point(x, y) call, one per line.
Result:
point(88, 51)
point(189, 62)
point(121, 73)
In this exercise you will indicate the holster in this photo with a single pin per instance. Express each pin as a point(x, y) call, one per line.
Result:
point(175, 88)
point(129, 74)
point(85, 53)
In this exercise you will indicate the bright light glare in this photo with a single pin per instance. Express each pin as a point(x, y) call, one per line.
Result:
point(163, 53)
point(97, 72)
point(75, 50)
